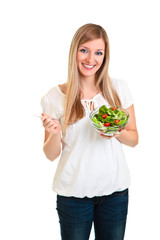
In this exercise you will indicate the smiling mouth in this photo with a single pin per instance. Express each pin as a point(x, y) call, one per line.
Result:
point(88, 67)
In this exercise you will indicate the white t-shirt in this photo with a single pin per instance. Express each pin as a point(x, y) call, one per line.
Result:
point(89, 165)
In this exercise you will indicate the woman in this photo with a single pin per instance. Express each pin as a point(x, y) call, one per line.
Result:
point(92, 178)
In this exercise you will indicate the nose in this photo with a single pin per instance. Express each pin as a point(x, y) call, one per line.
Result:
point(90, 58)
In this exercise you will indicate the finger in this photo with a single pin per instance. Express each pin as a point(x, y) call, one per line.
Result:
point(52, 124)
point(45, 121)
point(52, 129)
point(46, 117)
point(44, 114)
point(43, 118)
point(55, 120)
point(104, 136)
point(116, 135)
point(48, 122)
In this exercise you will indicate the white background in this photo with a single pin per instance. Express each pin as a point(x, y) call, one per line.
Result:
point(34, 46)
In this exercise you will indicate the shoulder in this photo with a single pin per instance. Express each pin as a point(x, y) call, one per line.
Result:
point(53, 102)
point(54, 96)
point(63, 88)
point(123, 90)
point(57, 92)
point(118, 83)
point(54, 92)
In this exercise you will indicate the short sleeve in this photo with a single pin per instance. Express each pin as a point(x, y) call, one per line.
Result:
point(124, 93)
point(49, 107)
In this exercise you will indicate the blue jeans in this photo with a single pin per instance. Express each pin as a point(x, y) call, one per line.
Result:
point(108, 213)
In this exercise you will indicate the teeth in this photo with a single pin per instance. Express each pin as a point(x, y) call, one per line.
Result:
point(88, 66)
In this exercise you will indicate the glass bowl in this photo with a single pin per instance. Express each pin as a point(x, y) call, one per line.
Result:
point(116, 115)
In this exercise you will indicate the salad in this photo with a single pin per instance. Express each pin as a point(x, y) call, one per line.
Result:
point(110, 120)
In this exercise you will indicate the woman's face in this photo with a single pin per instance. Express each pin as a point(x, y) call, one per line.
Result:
point(90, 57)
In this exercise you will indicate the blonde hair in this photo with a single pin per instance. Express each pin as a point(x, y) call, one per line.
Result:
point(73, 107)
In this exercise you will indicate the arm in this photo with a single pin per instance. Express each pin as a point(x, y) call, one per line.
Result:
point(52, 141)
point(129, 136)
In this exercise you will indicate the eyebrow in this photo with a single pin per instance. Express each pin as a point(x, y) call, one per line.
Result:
point(96, 49)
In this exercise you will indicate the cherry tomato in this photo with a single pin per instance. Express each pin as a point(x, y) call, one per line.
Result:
point(107, 124)
point(116, 121)
point(104, 116)
point(121, 129)
point(114, 109)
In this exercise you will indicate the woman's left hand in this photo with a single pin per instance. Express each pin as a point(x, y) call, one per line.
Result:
point(109, 137)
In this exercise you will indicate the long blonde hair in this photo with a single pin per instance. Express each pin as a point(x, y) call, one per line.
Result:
point(73, 107)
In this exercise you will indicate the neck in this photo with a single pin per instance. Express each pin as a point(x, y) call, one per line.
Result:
point(88, 88)
point(87, 83)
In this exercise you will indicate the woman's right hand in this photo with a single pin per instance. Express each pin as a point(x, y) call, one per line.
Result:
point(51, 125)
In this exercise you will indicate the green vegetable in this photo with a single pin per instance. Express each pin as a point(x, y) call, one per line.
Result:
point(116, 117)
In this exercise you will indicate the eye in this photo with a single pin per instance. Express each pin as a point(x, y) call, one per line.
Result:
point(83, 50)
point(99, 53)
